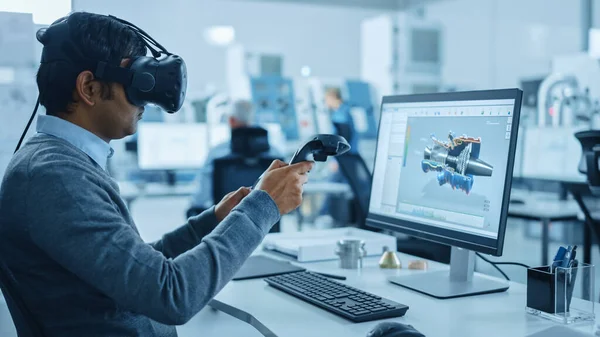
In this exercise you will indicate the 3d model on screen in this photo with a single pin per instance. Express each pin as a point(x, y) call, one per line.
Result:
point(456, 161)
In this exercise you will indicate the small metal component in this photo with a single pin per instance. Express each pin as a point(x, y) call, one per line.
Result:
point(351, 253)
point(418, 265)
point(389, 260)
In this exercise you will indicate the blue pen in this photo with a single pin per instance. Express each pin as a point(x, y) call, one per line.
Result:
point(567, 258)
point(560, 255)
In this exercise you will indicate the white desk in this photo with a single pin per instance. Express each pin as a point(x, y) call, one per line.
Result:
point(279, 314)
point(131, 191)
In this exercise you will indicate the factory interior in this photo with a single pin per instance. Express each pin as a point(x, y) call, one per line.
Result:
point(478, 119)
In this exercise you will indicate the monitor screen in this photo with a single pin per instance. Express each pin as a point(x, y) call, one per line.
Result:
point(219, 134)
point(443, 167)
point(170, 146)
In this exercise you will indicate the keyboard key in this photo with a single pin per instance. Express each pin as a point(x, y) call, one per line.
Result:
point(377, 309)
point(362, 312)
point(294, 287)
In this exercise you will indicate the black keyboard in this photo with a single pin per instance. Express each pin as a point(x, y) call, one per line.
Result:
point(335, 297)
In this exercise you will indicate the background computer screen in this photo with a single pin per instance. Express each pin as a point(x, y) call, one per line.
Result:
point(166, 146)
point(441, 168)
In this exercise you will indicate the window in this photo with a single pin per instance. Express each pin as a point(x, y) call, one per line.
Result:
point(44, 11)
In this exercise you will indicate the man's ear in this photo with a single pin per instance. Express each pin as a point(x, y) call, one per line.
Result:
point(87, 88)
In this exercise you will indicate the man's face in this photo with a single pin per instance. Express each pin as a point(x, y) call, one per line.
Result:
point(116, 117)
point(330, 101)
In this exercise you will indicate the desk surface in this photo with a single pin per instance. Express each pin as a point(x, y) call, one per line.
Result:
point(544, 209)
point(580, 178)
point(501, 314)
point(131, 190)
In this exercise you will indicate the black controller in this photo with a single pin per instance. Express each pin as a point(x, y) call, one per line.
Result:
point(321, 147)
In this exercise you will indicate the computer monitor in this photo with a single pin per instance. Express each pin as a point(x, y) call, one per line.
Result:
point(219, 134)
point(171, 146)
point(443, 172)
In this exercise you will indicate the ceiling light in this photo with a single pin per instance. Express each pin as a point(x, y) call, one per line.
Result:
point(220, 35)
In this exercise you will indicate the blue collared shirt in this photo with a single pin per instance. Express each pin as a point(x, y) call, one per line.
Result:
point(87, 142)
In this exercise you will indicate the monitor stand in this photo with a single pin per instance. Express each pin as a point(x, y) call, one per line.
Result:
point(460, 281)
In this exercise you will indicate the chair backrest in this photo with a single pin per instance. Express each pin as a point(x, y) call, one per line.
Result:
point(356, 172)
point(23, 319)
point(249, 141)
point(234, 171)
point(590, 154)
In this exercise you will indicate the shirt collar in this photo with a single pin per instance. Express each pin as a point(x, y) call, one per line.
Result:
point(89, 143)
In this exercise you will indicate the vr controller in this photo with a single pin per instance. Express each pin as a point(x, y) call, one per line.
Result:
point(321, 147)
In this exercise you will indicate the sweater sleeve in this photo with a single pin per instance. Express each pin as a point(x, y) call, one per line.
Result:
point(187, 236)
point(73, 220)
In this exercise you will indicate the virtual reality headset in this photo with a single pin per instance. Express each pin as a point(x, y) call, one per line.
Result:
point(160, 79)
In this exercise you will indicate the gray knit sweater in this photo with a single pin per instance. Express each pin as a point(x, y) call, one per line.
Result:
point(82, 268)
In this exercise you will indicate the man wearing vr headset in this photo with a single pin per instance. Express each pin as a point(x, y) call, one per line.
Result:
point(68, 241)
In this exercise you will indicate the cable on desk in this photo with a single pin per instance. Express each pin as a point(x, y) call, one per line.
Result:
point(495, 265)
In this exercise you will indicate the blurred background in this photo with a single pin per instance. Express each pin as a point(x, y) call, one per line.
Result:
point(286, 65)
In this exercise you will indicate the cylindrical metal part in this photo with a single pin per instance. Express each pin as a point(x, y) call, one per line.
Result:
point(351, 253)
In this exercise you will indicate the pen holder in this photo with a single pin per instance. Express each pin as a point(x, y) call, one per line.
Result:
point(563, 295)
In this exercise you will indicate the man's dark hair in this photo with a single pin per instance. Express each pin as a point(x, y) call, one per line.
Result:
point(97, 37)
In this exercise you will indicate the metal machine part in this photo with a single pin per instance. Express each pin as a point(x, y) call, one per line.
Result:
point(456, 160)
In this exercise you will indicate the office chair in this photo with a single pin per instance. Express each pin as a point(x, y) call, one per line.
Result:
point(358, 176)
point(590, 153)
point(247, 142)
point(245, 165)
point(588, 165)
point(23, 319)
point(233, 172)
point(356, 172)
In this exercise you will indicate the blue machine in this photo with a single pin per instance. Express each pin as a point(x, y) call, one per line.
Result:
point(359, 96)
point(273, 97)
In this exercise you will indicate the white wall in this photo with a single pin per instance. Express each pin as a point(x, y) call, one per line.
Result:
point(494, 43)
point(488, 43)
point(325, 38)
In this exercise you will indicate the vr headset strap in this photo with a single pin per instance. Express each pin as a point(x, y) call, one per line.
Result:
point(108, 72)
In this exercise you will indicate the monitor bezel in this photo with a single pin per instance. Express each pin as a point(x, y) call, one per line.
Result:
point(444, 236)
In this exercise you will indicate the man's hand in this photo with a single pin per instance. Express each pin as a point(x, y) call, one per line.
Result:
point(284, 184)
point(231, 200)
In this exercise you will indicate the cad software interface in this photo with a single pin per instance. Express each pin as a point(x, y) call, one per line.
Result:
point(443, 164)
